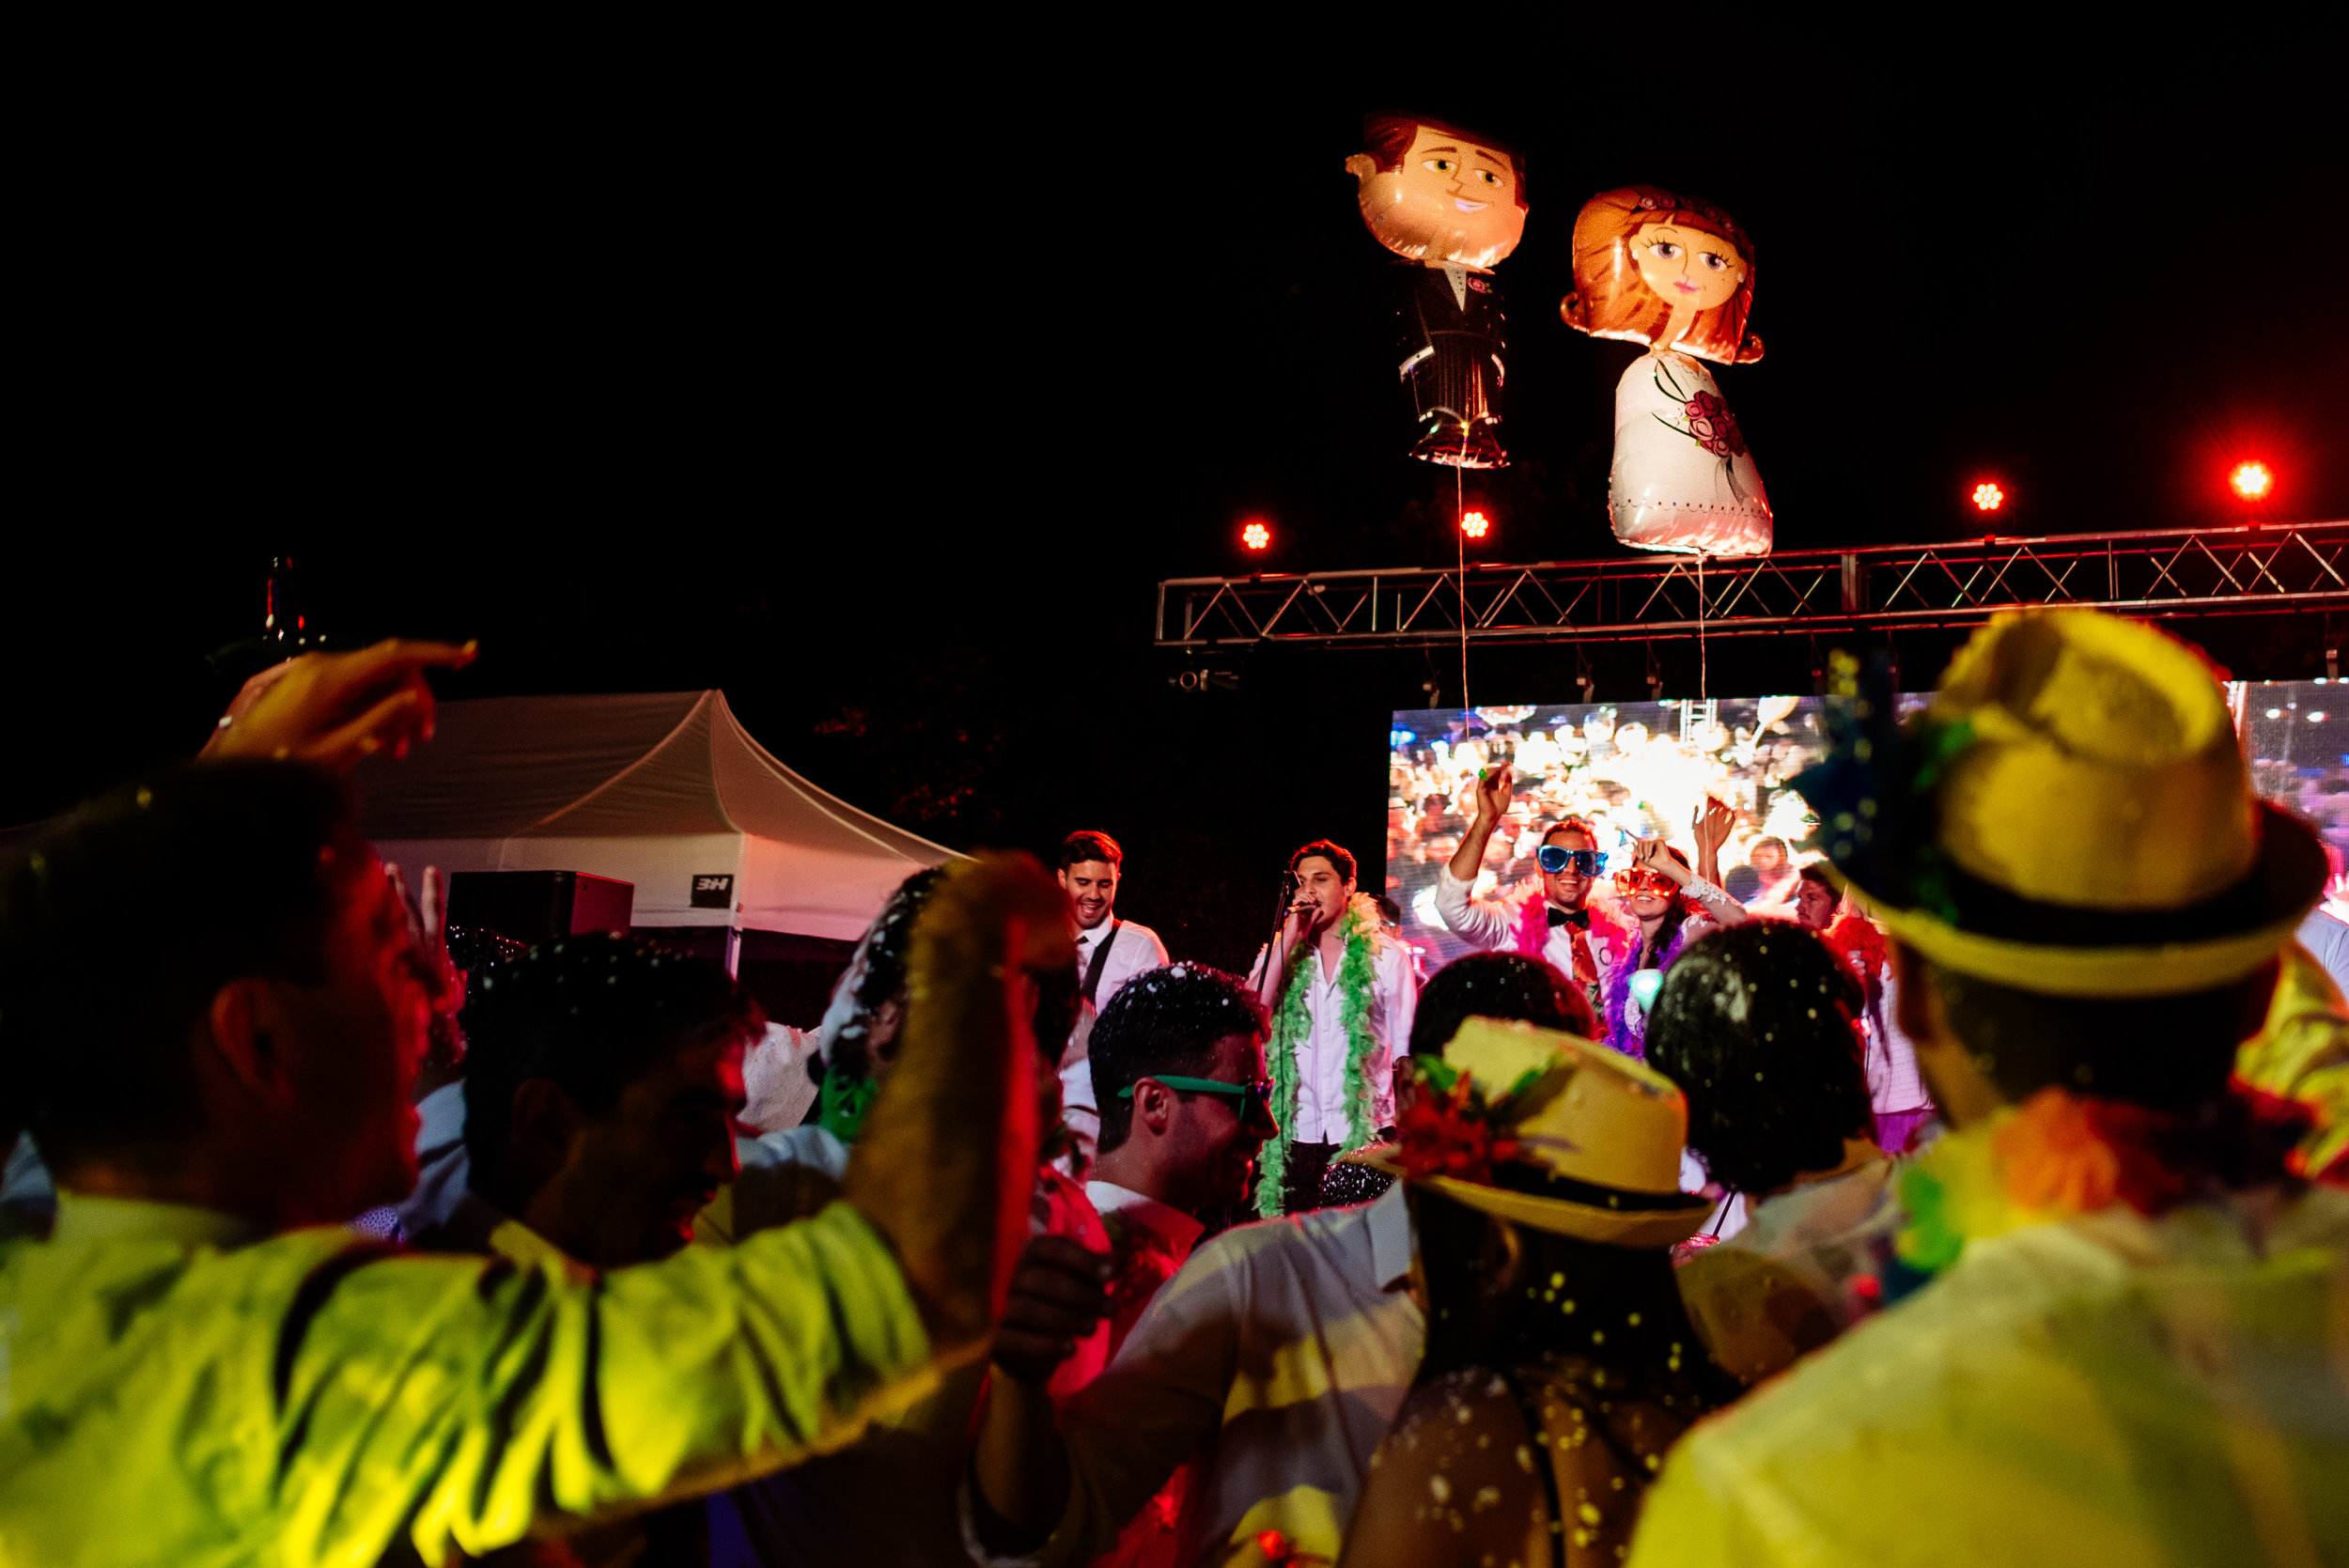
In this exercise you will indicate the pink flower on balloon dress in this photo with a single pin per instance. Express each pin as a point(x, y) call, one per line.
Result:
point(1708, 421)
point(1712, 427)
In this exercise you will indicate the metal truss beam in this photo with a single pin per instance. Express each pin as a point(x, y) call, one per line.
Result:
point(2162, 572)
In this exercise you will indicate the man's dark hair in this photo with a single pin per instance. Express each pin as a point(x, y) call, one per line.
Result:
point(1754, 1023)
point(1570, 825)
point(1090, 846)
point(236, 865)
point(594, 1014)
point(1741, 882)
point(1816, 872)
point(1164, 1021)
point(877, 975)
point(1328, 851)
point(1497, 986)
point(1389, 910)
point(2171, 1053)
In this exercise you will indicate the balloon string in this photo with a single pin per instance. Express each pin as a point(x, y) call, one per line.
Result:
point(1459, 524)
point(1704, 693)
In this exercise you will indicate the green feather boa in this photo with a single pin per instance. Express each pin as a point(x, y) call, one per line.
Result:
point(1292, 1023)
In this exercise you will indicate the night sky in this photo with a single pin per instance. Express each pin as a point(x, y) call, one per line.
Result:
point(877, 379)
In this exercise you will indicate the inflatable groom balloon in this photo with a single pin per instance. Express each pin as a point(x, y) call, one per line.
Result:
point(1453, 204)
point(1677, 275)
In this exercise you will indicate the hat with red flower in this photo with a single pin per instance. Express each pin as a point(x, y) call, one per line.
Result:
point(2072, 815)
point(1552, 1131)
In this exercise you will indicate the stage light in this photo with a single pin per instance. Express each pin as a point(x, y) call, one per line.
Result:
point(2251, 480)
point(1475, 525)
point(1256, 537)
point(1988, 497)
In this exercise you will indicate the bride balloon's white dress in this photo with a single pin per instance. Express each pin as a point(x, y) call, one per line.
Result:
point(1683, 479)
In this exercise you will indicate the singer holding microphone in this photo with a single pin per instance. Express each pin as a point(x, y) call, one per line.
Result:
point(1342, 997)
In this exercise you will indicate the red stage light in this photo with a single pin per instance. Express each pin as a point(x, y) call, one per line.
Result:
point(1475, 525)
point(1988, 497)
point(1256, 537)
point(2251, 480)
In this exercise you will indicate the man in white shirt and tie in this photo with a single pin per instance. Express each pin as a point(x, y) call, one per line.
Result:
point(1109, 952)
point(1551, 920)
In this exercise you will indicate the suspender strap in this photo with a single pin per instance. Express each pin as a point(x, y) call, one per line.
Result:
point(1100, 962)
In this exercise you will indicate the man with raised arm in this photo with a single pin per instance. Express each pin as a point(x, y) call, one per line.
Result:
point(1550, 919)
point(204, 1364)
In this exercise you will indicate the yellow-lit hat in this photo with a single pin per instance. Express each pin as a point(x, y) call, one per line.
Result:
point(1591, 1139)
point(2072, 815)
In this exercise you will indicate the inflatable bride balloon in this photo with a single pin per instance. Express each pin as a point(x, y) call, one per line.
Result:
point(1453, 204)
point(1677, 275)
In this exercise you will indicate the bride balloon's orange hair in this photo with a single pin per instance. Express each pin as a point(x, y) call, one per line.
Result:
point(1606, 303)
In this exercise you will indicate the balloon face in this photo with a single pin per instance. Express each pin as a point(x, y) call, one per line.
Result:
point(1684, 266)
point(1671, 271)
point(1448, 198)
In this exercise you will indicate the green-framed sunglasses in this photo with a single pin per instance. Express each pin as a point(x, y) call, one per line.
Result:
point(1252, 1097)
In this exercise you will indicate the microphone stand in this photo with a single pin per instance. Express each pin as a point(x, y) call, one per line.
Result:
point(1288, 893)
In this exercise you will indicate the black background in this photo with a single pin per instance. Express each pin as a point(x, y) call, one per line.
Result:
point(876, 373)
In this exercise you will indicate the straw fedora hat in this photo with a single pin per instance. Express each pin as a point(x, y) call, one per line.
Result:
point(2072, 815)
point(1597, 1138)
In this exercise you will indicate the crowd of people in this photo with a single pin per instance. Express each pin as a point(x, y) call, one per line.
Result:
point(1972, 1185)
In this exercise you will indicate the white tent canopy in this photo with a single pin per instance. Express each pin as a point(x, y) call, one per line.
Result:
point(655, 789)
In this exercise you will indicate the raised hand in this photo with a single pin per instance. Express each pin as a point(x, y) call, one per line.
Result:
point(1651, 854)
point(427, 930)
point(336, 709)
point(1712, 823)
point(1057, 1295)
point(1493, 795)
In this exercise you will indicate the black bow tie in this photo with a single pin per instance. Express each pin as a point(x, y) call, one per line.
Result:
point(1578, 918)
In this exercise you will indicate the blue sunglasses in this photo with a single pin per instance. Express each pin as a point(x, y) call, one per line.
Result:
point(1555, 858)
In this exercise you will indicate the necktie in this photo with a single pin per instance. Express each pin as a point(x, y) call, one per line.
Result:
point(1578, 922)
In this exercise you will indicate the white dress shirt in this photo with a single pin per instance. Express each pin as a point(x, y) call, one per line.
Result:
point(442, 1163)
point(1136, 949)
point(2326, 936)
point(1321, 1056)
point(1178, 1232)
point(776, 1089)
point(1490, 925)
point(1895, 1082)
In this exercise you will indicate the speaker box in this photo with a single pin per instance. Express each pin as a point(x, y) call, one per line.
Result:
point(535, 906)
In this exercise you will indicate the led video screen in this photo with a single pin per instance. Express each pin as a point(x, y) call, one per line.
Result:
point(1637, 769)
point(2296, 734)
